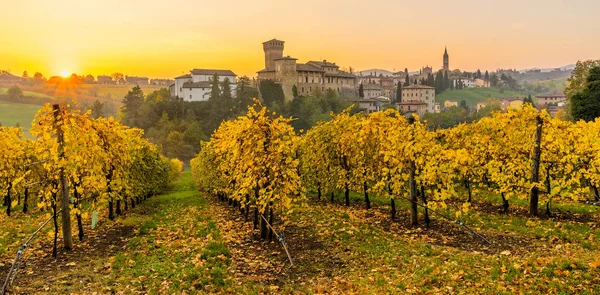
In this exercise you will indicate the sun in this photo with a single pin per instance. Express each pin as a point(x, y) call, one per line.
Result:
point(65, 73)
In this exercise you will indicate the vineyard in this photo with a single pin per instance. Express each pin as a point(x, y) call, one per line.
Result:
point(358, 204)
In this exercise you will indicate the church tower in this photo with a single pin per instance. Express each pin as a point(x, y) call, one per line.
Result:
point(446, 60)
point(273, 50)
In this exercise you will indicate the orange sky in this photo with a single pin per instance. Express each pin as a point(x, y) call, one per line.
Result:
point(166, 38)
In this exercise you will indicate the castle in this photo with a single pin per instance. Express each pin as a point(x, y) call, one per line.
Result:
point(308, 77)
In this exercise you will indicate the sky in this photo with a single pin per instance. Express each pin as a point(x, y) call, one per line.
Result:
point(163, 39)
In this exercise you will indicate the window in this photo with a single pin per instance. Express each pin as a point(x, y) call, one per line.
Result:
point(306, 79)
point(310, 89)
point(180, 89)
point(302, 89)
point(190, 96)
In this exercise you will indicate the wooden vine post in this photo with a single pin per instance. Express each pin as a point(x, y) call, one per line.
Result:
point(66, 212)
point(535, 168)
point(413, 185)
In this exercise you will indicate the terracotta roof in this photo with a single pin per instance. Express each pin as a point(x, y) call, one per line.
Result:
point(340, 74)
point(202, 84)
point(212, 72)
point(273, 40)
point(324, 63)
point(308, 68)
point(184, 77)
point(418, 87)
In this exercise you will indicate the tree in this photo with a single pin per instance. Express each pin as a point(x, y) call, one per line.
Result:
point(132, 103)
point(439, 82)
point(579, 76)
point(38, 78)
point(361, 91)
point(271, 92)
point(215, 91)
point(486, 76)
point(463, 104)
point(529, 100)
point(295, 91)
point(585, 105)
point(118, 77)
point(97, 109)
point(494, 80)
point(25, 75)
point(399, 92)
point(15, 93)
point(226, 91)
point(478, 74)
point(446, 81)
point(89, 79)
point(406, 80)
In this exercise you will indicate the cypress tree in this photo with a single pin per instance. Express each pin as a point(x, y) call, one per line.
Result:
point(361, 91)
point(446, 80)
point(399, 92)
point(216, 90)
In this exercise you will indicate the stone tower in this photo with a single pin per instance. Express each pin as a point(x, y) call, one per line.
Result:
point(273, 50)
point(446, 60)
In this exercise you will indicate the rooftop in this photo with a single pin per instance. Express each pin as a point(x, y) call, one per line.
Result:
point(551, 95)
point(187, 76)
point(273, 40)
point(324, 63)
point(212, 72)
point(308, 68)
point(286, 58)
point(418, 87)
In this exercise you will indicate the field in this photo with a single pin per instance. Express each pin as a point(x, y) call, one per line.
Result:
point(186, 242)
point(13, 113)
point(474, 95)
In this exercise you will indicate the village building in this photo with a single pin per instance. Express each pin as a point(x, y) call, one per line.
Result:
point(307, 77)
point(372, 91)
point(450, 103)
point(419, 93)
point(466, 83)
point(371, 105)
point(197, 85)
point(551, 99)
point(134, 80)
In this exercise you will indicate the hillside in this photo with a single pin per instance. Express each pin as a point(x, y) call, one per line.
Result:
point(13, 113)
point(474, 95)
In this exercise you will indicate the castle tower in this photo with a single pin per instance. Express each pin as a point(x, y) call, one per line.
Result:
point(273, 50)
point(446, 60)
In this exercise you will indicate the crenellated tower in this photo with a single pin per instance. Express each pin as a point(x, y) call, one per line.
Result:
point(446, 60)
point(273, 50)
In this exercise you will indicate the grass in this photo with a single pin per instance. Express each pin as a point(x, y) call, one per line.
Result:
point(182, 242)
point(12, 114)
point(474, 95)
point(4, 90)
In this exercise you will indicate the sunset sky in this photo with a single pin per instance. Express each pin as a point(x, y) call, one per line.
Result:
point(165, 38)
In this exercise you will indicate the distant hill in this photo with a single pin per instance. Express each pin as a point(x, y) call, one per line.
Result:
point(13, 113)
point(474, 95)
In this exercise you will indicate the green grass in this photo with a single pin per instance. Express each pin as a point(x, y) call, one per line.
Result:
point(474, 95)
point(4, 90)
point(181, 243)
point(13, 113)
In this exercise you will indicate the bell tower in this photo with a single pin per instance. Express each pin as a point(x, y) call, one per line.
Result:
point(446, 60)
point(273, 50)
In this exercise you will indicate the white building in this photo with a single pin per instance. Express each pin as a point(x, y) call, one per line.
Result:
point(467, 83)
point(197, 85)
point(371, 105)
point(372, 91)
point(420, 93)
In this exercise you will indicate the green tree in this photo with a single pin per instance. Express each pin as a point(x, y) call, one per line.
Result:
point(486, 76)
point(585, 105)
point(579, 76)
point(14, 93)
point(361, 91)
point(271, 93)
point(226, 91)
point(132, 102)
point(295, 91)
point(446, 81)
point(407, 80)
point(399, 92)
point(97, 109)
point(529, 100)
point(494, 80)
point(174, 145)
point(439, 82)
point(215, 91)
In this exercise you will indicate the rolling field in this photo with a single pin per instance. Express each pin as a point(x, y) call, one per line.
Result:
point(13, 113)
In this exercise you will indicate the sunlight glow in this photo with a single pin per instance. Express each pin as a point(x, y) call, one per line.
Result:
point(65, 73)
